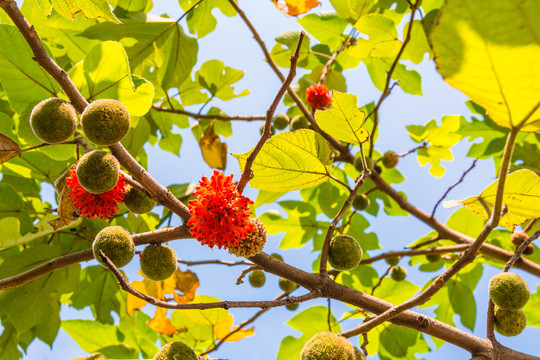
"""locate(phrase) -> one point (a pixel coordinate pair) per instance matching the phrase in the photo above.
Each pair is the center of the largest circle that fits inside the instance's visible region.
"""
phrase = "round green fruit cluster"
(116, 243)
(291, 307)
(392, 261)
(433, 258)
(175, 351)
(281, 121)
(329, 346)
(390, 159)
(98, 171)
(105, 122)
(53, 120)
(158, 262)
(137, 202)
(509, 292)
(398, 273)
(359, 166)
(361, 202)
(287, 285)
(257, 278)
(518, 238)
(345, 253)
(299, 122)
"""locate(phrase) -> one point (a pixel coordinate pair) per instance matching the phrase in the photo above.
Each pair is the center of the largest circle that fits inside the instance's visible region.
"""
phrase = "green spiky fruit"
(253, 243)
(292, 307)
(433, 258)
(361, 202)
(377, 169)
(137, 202)
(53, 120)
(105, 121)
(359, 355)
(519, 237)
(509, 291)
(398, 273)
(98, 171)
(116, 243)
(328, 346)
(287, 285)
(257, 278)
(345, 253)
(158, 262)
(277, 257)
(392, 261)
(281, 121)
(509, 322)
(175, 351)
(358, 163)
(299, 122)
(272, 130)
(390, 159)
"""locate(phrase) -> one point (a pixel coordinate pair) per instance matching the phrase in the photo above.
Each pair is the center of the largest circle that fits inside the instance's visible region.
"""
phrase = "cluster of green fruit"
(397, 273)
(389, 160)
(171, 351)
(509, 292)
(281, 121)
(158, 262)
(329, 346)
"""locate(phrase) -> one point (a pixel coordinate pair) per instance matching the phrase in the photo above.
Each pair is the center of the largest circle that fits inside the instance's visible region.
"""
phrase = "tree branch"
(209, 117)
(247, 174)
(411, 252)
(332, 59)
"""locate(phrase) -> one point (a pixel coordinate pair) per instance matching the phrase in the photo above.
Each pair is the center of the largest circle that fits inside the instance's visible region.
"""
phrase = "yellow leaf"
(134, 303)
(295, 7)
(161, 323)
(67, 214)
(8, 148)
(223, 328)
(186, 282)
(214, 152)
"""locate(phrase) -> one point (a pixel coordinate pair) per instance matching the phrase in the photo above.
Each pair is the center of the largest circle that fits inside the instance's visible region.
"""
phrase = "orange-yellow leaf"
(161, 323)
(134, 303)
(8, 148)
(186, 282)
(295, 7)
(214, 152)
(223, 328)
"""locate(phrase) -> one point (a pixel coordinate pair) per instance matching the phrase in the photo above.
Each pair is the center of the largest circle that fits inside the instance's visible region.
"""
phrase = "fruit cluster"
(329, 346)
(509, 292)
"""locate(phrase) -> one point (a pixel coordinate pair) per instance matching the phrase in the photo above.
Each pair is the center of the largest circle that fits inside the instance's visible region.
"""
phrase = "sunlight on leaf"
(214, 152)
(91, 9)
(290, 161)
(383, 37)
(8, 148)
(489, 50)
(344, 119)
(161, 323)
(521, 197)
(295, 7)
(224, 327)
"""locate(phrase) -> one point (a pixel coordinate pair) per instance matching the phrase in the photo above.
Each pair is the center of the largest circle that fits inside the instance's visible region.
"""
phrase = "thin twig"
(124, 284)
(530, 225)
(411, 252)
(247, 174)
(453, 186)
(209, 117)
(332, 59)
(218, 262)
(421, 146)
(246, 271)
(380, 280)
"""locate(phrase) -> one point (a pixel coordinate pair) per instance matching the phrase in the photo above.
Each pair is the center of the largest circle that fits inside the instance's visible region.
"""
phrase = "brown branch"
(342, 149)
(411, 252)
(218, 262)
(209, 117)
(421, 146)
(530, 225)
(380, 282)
(124, 284)
(453, 186)
(464, 260)
(247, 174)
(387, 89)
(332, 59)
(60, 262)
(330, 232)
(246, 271)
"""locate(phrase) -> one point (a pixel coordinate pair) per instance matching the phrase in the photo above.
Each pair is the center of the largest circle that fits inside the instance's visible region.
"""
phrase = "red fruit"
(318, 96)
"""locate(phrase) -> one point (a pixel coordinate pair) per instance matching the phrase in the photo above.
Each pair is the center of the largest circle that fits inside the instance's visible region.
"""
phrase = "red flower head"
(318, 96)
(219, 215)
(89, 205)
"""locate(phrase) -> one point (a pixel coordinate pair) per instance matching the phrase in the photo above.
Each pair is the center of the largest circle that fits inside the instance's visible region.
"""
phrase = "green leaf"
(290, 161)
(409, 80)
(309, 322)
(352, 10)
(418, 44)
(217, 79)
(396, 292)
(440, 138)
(326, 27)
(397, 342)
(105, 74)
(200, 20)
(285, 47)
(465, 222)
(9, 228)
(91, 9)
(521, 197)
(531, 309)
(23, 80)
(98, 288)
(383, 37)
(487, 50)
(8, 342)
(357, 229)
(344, 119)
